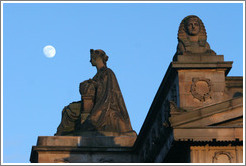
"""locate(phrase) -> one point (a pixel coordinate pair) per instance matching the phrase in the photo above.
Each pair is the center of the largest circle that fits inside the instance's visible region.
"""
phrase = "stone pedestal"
(201, 79)
(87, 107)
(81, 149)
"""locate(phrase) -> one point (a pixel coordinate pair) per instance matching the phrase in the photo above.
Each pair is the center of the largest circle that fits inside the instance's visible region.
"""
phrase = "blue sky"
(140, 40)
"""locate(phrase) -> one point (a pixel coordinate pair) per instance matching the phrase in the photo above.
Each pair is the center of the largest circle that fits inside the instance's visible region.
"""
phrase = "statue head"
(192, 37)
(192, 26)
(98, 55)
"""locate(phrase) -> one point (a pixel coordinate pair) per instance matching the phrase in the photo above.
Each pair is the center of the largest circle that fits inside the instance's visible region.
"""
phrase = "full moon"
(49, 51)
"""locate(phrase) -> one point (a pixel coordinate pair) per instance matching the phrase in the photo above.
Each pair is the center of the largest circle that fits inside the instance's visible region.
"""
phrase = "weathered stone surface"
(216, 154)
(208, 133)
(75, 149)
(82, 155)
(82, 141)
(227, 109)
(192, 39)
(95, 129)
(200, 58)
(234, 86)
(196, 115)
(200, 87)
(102, 109)
(208, 108)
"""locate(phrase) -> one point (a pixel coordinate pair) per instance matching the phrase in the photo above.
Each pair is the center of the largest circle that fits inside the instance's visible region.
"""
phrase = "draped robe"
(108, 113)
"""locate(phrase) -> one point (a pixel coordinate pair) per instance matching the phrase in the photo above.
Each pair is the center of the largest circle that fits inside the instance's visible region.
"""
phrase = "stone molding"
(208, 134)
(204, 112)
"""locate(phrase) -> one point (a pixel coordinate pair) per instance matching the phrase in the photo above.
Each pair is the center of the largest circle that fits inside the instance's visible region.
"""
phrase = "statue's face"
(193, 26)
(93, 60)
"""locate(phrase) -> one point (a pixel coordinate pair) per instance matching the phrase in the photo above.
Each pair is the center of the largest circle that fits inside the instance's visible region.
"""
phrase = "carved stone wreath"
(201, 88)
(221, 153)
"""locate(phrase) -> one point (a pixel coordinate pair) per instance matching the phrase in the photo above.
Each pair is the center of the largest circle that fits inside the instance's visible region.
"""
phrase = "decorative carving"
(222, 157)
(103, 108)
(192, 37)
(174, 109)
(201, 88)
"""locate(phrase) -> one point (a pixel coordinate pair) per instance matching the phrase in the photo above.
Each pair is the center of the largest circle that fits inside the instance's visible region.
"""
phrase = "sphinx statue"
(192, 38)
(102, 109)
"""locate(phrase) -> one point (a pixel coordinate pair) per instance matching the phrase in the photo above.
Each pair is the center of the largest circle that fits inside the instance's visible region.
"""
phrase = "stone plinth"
(204, 58)
(81, 149)
(201, 79)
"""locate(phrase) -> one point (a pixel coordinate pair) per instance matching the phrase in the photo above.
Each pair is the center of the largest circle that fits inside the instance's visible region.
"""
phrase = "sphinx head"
(192, 26)
(192, 30)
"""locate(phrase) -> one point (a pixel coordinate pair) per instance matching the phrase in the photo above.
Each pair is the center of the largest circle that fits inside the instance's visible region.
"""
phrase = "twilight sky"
(139, 38)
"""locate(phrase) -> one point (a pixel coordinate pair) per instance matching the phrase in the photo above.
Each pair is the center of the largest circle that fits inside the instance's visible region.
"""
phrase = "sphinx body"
(106, 112)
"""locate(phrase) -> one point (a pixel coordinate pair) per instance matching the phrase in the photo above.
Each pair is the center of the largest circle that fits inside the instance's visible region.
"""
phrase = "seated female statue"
(102, 104)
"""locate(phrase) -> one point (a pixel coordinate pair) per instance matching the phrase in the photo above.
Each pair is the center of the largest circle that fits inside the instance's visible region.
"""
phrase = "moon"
(49, 51)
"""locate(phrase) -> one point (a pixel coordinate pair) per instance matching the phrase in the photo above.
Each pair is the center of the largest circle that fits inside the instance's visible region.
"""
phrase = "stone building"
(195, 117)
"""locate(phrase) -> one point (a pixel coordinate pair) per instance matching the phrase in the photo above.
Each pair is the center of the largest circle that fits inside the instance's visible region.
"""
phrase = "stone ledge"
(80, 149)
(82, 141)
(208, 134)
(203, 65)
(199, 113)
(197, 65)
(234, 82)
(200, 58)
(66, 154)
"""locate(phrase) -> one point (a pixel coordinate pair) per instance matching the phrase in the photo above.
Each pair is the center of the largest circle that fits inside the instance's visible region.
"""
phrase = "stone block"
(181, 76)
(188, 101)
(203, 66)
(81, 155)
(212, 58)
(82, 141)
(218, 87)
(219, 96)
(184, 88)
(189, 74)
(200, 58)
(81, 149)
(215, 75)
